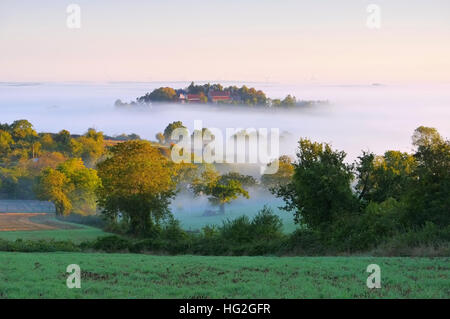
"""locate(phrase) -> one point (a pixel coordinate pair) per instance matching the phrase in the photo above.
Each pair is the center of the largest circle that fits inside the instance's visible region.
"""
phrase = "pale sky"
(323, 41)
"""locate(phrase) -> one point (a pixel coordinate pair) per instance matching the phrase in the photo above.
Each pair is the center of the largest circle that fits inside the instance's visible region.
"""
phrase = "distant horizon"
(331, 84)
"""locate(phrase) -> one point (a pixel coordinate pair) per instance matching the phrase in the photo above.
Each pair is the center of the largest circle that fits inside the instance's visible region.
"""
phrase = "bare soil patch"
(22, 221)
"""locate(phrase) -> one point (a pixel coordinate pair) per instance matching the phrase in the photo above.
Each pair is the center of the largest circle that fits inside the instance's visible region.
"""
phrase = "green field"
(191, 217)
(34, 275)
(79, 234)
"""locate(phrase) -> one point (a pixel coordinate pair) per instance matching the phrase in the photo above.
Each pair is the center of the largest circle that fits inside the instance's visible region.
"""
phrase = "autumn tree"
(162, 94)
(282, 176)
(71, 187)
(138, 182)
(6, 143)
(91, 147)
(169, 130)
(54, 186)
(47, 159)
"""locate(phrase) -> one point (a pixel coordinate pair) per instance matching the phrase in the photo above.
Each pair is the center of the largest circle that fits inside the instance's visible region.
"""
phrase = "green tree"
(428, 197)
(64, 142)
(320, 191)
(138, 182)
(383, 177)
(220, 189)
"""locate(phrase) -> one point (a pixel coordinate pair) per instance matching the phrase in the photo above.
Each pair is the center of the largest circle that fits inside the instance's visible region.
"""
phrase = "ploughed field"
(27, 215)
(38, 226)
(22, 221)
(35, 220)
(37, 275)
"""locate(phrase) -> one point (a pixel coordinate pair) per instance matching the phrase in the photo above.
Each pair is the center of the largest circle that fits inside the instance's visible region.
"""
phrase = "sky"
(322, 41)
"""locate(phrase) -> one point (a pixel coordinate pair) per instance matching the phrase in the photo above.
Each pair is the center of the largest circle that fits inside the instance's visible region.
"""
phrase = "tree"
(138, 182)
(6, 142)
(198, 89)
(170, 128)
(47, 159)
(282, 177)
(245, 180)
(428, 196)
(320, 191)
(289, 101)
(53, 186)
(383, 177)
(47, 142)
(71, 187)
(160, 137)
(91, 147)
(426, 137)
(162, 94)
(22, 129)
(220, 189)
(64, 142)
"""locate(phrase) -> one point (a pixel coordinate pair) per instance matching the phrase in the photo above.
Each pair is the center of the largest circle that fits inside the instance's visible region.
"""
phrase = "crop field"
(36, 226)
(21, 221)
(35, 220)
(34, 275)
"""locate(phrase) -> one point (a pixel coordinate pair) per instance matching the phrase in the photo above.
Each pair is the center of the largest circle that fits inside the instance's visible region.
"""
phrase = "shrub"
(37, 246)
(359, 232)
(304, 242)
(238, 230)
(111, 244)
(171, 231)
(266, 225)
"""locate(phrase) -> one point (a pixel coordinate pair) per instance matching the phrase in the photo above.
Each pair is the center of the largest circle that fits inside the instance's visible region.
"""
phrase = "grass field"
(77, 235)
(190, 215)
(35, 275)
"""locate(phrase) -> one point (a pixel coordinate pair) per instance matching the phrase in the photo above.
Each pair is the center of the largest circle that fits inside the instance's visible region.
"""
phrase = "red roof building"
(193, 97)
(216, 96)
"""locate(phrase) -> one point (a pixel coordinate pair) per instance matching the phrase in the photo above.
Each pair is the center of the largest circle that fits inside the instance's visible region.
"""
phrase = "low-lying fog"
(358, 117)
(377, 118)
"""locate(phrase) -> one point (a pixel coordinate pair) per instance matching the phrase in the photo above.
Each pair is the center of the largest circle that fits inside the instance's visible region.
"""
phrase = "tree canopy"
(137, 181)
